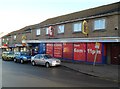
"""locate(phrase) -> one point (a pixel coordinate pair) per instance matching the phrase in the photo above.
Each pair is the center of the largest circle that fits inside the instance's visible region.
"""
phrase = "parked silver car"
(45, 59)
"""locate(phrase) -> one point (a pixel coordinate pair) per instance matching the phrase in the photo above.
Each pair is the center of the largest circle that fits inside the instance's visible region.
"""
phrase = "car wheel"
(47, 65)
(3, 59)
(33, 63)
(7, 58)
(15, 60)
(21, 61)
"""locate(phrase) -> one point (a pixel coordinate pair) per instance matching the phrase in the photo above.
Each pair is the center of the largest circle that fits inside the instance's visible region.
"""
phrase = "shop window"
(77, 27)
(38, 32)
(28, 31)
(99, 24)
(61, 29)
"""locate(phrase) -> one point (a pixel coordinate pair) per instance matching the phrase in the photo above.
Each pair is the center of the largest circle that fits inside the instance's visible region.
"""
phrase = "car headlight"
(53, 62)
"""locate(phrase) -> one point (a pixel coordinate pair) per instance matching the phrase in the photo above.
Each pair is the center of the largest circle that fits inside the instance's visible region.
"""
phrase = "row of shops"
(84, 52)
(78, 50)
(88, 36)
(75, 50)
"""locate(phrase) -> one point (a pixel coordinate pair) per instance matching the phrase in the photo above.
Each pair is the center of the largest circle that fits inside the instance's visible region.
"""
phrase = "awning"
(3, 47)
(95, 39)
(20, 45)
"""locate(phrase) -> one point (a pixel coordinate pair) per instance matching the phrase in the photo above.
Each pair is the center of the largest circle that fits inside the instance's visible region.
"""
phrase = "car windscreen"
(25, 54)
(10, 53)
(47, 56)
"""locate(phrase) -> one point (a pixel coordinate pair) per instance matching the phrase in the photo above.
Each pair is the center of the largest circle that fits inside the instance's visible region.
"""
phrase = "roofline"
(81, 19)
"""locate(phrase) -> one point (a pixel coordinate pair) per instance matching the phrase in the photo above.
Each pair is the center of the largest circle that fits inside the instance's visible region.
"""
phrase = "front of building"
(88, 36)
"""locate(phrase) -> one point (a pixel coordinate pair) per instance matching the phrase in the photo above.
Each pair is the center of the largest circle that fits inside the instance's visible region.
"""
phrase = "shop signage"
(80, 51)
(58, 50)
(68, 51)
(24, 40)
(91, 52)
(51, 31)
(23, 37)
(85, 28)
(49, 49)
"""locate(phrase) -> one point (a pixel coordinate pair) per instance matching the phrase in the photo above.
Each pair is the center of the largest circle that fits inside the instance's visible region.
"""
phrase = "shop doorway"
(115, 53)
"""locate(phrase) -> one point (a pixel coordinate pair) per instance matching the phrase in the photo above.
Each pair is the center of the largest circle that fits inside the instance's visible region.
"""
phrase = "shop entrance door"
(115, 53)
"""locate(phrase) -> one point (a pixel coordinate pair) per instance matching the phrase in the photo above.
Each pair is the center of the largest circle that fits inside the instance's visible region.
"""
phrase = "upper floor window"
(47, 30)
(61, 29)
(14, 37)
(3, 40)
(28, 30)
(77, 27)
(38, 32)
(99, 24)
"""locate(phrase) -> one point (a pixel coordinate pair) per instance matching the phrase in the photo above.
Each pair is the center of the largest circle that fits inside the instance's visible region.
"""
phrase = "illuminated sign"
(85, 28)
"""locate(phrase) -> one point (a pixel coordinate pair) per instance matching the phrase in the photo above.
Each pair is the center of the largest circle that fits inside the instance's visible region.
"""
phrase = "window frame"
(38, 32)
(60, 27)
(47, 31)
(101, 26)
(79, 24)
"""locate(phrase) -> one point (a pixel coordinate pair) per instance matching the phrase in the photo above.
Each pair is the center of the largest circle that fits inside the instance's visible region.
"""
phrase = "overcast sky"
(16, 14)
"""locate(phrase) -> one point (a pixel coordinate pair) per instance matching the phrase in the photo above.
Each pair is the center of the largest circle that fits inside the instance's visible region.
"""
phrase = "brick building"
(74, 37)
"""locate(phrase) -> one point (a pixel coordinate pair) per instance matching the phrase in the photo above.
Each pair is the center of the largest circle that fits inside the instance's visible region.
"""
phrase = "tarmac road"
(26, 75)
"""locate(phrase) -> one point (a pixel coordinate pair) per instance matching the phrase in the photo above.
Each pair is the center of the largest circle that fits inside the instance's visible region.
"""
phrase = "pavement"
(103, 71)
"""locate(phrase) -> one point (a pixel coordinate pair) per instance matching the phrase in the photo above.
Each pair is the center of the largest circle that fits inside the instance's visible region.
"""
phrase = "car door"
(42, 60)
(17, 56)
(36, 59)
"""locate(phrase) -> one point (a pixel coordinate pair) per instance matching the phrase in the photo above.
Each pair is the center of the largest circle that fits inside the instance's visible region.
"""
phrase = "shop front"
(115, 53)
(36, 48)
(88, 50)
(81, 52)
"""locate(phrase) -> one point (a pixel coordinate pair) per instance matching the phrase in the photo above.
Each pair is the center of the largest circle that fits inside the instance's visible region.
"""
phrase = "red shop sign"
(91, 51)
(49, 49)
(80, 51)
(58, 50)
(68, 50)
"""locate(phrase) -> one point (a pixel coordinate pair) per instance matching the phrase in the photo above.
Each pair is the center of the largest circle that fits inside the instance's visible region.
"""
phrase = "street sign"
(97, 45)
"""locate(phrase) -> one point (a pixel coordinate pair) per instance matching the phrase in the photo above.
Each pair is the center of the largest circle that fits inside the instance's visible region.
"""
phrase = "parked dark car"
(22, 57)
